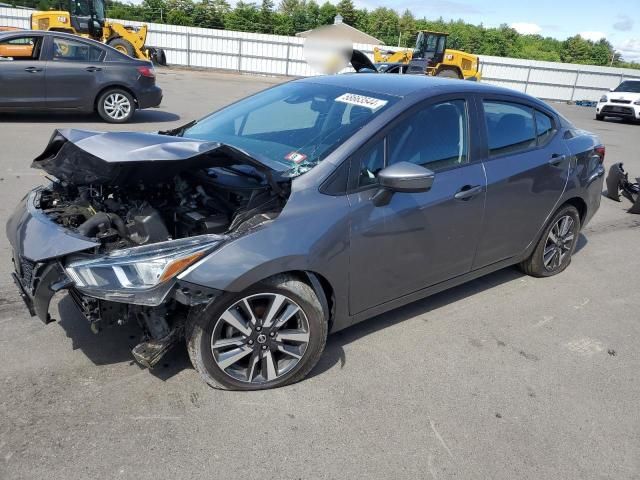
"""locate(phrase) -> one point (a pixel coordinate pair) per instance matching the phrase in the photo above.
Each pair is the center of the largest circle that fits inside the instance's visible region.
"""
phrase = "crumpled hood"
(84, 157)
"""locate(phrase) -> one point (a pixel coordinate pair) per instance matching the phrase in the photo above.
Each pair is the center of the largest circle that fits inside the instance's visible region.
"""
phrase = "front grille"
(27, 267)
(616, 100)
(618, 111)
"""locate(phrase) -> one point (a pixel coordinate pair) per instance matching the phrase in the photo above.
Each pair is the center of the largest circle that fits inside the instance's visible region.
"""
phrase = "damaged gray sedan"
(254, 232)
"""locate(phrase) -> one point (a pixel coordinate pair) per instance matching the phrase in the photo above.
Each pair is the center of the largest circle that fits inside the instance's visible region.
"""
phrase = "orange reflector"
(175, 267)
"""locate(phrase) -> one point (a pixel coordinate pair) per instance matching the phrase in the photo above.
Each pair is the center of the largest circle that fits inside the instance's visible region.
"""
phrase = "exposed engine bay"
(130, 212)
(128, 189)
(207, 201)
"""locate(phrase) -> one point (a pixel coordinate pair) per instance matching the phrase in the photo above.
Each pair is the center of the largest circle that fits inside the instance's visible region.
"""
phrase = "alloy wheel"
(559, 243)
(260, 338)
(117, 106)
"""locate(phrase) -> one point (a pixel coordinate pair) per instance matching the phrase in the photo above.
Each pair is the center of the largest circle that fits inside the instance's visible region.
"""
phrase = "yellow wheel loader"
(86, 18)
(432, 57)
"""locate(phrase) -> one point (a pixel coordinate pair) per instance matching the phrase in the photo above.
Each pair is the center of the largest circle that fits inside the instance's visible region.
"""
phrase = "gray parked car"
(59, 71)
(299, 211)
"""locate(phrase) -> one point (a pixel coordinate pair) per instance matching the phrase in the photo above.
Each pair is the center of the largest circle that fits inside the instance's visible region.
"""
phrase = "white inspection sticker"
(362, 101)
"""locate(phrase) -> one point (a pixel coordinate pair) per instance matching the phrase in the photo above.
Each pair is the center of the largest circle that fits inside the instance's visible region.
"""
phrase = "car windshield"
(292, 127)
(628, 87)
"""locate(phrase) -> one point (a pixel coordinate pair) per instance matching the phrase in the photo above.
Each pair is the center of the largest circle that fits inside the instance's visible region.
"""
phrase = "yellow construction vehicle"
(87, 19)
(431, 57)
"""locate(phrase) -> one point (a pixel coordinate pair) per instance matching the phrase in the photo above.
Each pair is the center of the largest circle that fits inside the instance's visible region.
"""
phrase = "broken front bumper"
(37, 244)
(38, 287)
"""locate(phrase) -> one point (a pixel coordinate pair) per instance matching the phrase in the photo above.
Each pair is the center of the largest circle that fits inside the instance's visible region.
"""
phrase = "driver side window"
(21, 48)
(435, 137)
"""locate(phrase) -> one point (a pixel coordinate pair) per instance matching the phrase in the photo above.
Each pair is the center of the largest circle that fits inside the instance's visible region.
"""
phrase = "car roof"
(70, 36)
(405, 85)
(19, 33)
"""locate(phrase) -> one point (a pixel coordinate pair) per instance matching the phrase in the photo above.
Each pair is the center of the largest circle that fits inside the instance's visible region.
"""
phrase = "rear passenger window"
(510, 128)
(435, 137)
(544, 128)
(71, 51)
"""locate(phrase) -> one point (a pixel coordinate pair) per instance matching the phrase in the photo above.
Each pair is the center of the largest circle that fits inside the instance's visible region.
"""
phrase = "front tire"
(116, 106)
(553, 252)
(600, 118)
(268, 336)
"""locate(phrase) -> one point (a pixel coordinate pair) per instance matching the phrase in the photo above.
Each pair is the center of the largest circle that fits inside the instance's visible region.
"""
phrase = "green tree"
(348, 11)
(327, 13)
(153, 11)
(245, 17)
(180, 12)
(384, 24)
(209, 14)
(576, 50)
(288, 7)
(267, 17)
(293, 16)
(602, 52)
(408, 29)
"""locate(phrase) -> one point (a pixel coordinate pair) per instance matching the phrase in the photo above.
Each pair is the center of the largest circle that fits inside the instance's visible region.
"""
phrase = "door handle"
(93, 69)
(32, 69)
(556, 159)
(467, 192)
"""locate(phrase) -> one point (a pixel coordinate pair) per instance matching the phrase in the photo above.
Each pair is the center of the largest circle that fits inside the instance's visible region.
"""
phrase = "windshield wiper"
(179, 131)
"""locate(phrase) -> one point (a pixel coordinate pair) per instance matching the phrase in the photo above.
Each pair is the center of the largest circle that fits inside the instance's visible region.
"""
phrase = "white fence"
(282, 55)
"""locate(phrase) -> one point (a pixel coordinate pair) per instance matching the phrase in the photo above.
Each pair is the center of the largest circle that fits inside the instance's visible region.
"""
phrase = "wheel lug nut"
(272, 334)
(250, 342)
(258, 329)
(264, 347)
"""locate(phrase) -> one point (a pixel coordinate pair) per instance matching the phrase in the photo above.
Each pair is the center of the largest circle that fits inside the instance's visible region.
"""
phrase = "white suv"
(622, 102)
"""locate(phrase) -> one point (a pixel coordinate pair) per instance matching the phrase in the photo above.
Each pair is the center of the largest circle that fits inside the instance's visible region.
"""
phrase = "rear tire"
(556, 245)
(600, 117)
(233, 345)
(447, 73)
(161, 57)
(116, 106)
(123, 46)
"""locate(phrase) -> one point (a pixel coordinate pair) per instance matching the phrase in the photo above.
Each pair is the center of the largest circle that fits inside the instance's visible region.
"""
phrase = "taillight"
(600, 151)
(147, 72)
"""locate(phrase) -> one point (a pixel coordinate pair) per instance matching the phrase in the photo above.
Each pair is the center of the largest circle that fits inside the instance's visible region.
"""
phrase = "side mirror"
(611, 89)
(402, 177)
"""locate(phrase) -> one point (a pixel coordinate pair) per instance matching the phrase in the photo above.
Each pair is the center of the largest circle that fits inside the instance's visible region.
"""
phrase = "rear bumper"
(594, 186)
(149, 98)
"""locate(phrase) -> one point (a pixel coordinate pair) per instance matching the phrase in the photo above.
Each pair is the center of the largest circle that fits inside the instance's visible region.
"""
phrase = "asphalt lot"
(505, 377)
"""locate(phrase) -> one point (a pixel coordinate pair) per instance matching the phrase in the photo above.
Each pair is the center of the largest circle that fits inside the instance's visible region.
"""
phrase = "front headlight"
(604, 99)
(637, 102)
(140, 274)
